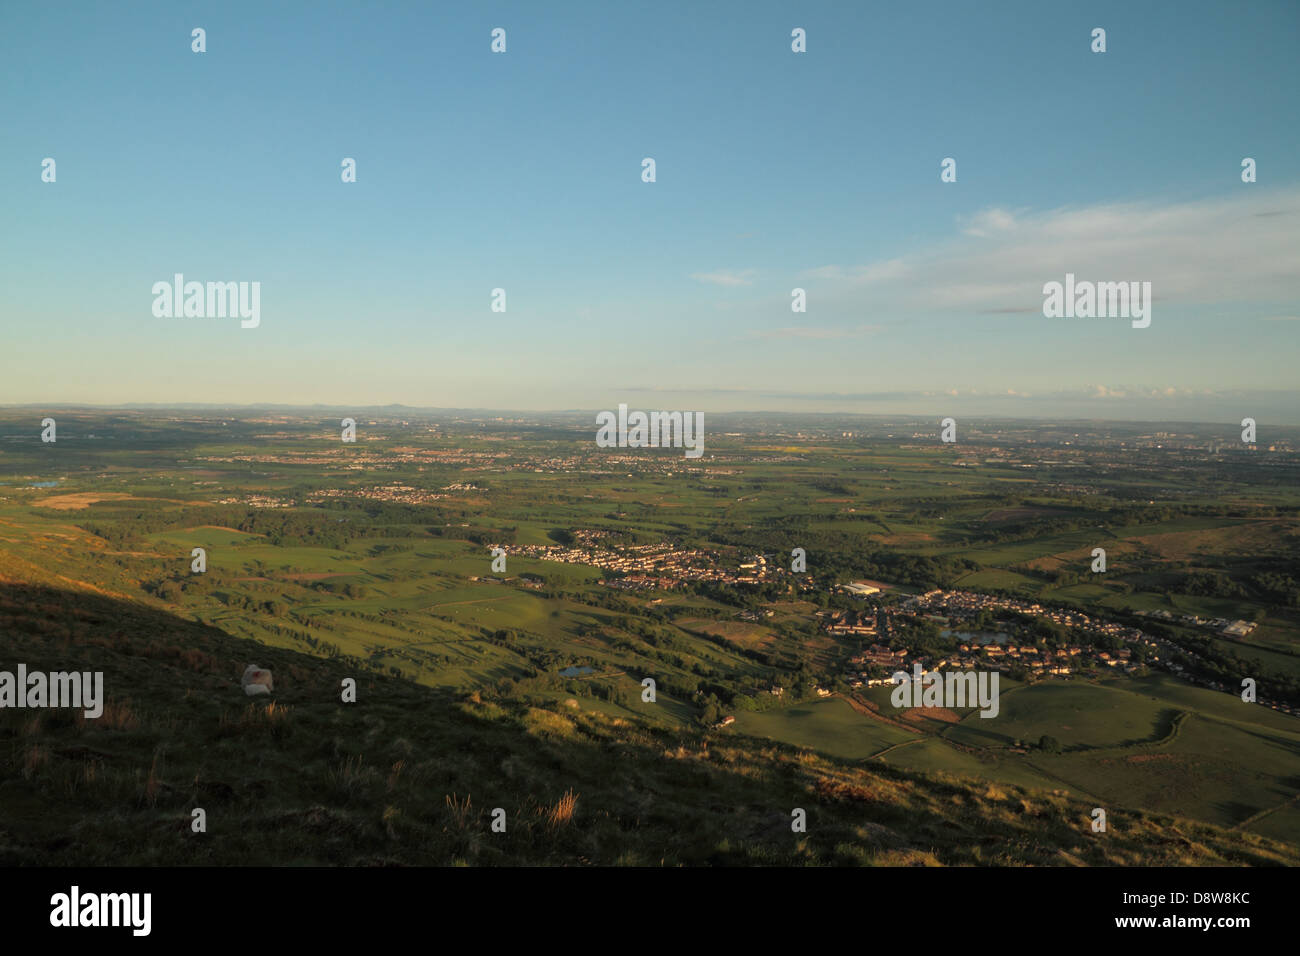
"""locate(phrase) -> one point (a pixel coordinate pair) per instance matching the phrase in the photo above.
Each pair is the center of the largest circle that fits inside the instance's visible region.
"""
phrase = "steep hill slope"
(411, 775)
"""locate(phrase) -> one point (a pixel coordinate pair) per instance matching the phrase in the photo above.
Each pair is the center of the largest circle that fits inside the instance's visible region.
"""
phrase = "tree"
(1050, 744)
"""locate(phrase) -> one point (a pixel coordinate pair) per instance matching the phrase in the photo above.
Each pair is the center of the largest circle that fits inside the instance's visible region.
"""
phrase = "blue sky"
(775, 170)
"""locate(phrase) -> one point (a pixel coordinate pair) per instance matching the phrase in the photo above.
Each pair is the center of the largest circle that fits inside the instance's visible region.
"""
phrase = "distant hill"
(411, 775)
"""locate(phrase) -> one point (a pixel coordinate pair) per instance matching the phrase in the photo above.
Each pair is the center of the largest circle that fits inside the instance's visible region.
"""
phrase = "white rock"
(256, 681)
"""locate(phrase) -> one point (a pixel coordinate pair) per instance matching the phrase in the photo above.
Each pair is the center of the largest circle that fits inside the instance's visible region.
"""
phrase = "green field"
(376, 557)
(830, 726)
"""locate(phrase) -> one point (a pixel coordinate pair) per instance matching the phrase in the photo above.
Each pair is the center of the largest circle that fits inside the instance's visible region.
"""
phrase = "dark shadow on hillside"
(411, 775)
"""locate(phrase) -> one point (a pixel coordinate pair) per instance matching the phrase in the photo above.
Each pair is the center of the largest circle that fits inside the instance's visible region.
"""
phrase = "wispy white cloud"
(1240, 250)
(990, 222)
(873, 272)
(726, 277)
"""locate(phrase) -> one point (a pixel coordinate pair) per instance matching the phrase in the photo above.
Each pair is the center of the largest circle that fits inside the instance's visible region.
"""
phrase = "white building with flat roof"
(860, 589)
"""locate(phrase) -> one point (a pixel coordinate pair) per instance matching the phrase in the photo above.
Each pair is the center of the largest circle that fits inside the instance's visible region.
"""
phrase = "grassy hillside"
(410, 773)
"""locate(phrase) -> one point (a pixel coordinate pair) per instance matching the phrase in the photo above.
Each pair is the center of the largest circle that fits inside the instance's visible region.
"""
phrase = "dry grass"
(562, 812)
(119, 716)
(271, 718)
(830, 789)
(390, 818)
(395, 774)
(348, 774)
(75, 502)
(460, 810)
(275, 716)
(152, 784)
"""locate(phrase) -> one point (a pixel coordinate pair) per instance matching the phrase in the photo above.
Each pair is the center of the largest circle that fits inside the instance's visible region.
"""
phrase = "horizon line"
(483, 410)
